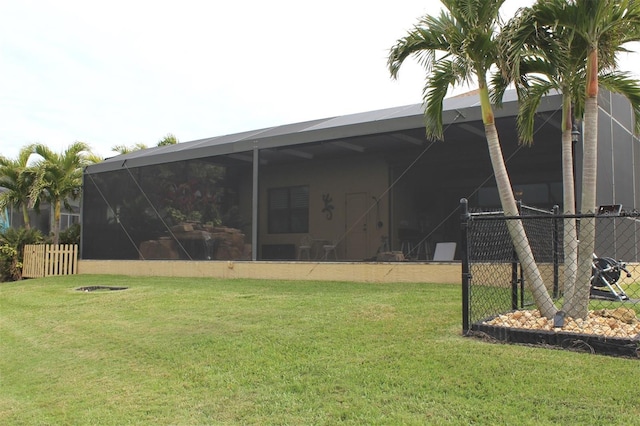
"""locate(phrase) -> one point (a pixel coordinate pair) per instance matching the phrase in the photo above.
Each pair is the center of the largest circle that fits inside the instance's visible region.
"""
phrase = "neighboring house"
(40, 219)
(356, 184)
(4, 220)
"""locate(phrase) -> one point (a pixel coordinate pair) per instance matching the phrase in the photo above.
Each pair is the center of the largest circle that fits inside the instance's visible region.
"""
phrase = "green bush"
(12, 243)
(71, 235)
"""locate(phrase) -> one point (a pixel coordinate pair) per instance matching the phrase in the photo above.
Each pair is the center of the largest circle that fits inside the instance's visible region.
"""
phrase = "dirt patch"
(100, 288)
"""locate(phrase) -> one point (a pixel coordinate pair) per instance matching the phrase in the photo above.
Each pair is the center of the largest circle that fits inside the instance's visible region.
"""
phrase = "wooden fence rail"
(44, 260)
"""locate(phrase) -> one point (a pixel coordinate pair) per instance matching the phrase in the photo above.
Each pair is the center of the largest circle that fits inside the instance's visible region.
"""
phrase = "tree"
(456, 47)
(17, 177)
(169, 139)
(124, 149)
(604, 26)
(93, 158)
(59, 178)
(539, 59)
(536, 44)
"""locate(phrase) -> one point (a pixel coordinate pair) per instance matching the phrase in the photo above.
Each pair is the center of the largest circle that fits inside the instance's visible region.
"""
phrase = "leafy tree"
(17, 177)
(457, 47)
(59, 178)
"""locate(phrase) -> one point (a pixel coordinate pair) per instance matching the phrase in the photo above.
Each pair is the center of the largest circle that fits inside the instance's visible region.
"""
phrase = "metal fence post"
(464, 253)
(514, 271)
(514, 282)
(556, 252)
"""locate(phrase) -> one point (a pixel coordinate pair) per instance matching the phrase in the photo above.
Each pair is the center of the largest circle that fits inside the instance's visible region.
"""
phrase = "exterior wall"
(618, 179)
(444, 273)
(337, 179)
(618, 149)
(42, 218)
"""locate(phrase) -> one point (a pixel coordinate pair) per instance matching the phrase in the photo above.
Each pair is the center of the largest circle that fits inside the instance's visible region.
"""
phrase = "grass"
(203, 351)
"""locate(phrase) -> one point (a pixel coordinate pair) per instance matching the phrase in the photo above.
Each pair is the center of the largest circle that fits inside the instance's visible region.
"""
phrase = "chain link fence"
(499, 302)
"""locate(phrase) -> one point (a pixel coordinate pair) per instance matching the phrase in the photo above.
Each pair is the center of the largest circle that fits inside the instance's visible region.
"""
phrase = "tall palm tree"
(17, 177)
(540, 59)
(602, 27)
(456, 47)
(59, 178)
(533, 44)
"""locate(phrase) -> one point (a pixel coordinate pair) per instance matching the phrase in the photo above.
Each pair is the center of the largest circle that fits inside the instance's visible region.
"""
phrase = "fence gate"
(44, 260)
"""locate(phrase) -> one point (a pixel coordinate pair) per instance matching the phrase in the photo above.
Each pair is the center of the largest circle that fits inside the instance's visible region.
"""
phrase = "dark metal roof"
(292, 137)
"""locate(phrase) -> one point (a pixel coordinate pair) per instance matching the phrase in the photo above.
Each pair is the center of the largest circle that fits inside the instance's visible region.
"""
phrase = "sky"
(124, 72)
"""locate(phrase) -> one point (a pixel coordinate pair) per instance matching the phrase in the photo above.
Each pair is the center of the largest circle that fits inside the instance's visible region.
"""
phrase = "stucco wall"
(445, 273)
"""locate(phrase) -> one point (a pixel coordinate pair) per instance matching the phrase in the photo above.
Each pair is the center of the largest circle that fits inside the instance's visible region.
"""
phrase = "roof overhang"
(397, 124)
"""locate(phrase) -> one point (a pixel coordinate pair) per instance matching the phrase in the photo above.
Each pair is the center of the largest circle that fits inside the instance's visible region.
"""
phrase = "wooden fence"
(44, 260)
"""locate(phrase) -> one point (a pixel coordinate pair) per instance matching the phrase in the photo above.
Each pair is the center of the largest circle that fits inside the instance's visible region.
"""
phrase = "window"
(68, 219)
(289, 210)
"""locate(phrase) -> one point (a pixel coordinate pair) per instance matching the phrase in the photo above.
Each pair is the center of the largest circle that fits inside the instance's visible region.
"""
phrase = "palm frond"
(527, 112)
(624, 84)
(444, 75)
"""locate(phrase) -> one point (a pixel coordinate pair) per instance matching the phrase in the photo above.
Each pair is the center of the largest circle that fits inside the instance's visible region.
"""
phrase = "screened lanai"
(342, 189)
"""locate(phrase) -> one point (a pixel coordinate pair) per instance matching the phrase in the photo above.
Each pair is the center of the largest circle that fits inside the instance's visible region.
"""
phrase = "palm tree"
(551, 56)
(540, 59)
(457, 47)
(124, 149)
(59, 178)
(17, 177)
(169, 139)
(600, 29)
(93, 158)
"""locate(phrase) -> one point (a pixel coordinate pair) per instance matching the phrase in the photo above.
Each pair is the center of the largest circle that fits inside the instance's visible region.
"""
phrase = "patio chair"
(304, 248)
(329, 248)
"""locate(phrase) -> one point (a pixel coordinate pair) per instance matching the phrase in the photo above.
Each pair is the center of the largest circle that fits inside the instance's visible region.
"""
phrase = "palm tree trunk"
(532, 275)
(578, 305)
(570, 239)
(533, 278)
(56, 221)
(25, 216)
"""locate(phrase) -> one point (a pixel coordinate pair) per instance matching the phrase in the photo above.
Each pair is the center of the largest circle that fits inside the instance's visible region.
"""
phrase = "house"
(343, 188)
(40, 219)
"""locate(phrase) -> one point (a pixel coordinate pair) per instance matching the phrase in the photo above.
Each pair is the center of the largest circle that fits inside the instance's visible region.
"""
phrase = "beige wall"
(338, 178)
(444, 273)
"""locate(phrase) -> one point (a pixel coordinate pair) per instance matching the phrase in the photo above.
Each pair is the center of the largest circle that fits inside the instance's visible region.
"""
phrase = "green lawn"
(180, 351)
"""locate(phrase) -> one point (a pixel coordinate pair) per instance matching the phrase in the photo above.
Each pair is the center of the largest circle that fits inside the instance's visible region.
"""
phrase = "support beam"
(254, 203)
(298, 153)
(410, 139)
(246, 157)
(347, 145)
(469, 128)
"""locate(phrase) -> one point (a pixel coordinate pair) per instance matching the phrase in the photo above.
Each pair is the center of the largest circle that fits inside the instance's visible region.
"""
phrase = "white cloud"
(123, 72)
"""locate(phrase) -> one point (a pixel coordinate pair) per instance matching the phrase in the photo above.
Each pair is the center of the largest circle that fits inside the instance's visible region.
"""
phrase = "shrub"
(12, 243)
(71, 235)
